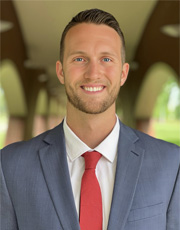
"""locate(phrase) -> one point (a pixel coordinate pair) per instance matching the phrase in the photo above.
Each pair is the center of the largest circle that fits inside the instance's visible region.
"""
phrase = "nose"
(93, 70)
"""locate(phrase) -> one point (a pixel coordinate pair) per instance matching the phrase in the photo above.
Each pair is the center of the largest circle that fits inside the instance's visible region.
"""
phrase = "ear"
(124, 74)
(59, 72)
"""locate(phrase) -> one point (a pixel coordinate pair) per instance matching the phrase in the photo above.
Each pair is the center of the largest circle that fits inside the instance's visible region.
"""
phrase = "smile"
(93, 89)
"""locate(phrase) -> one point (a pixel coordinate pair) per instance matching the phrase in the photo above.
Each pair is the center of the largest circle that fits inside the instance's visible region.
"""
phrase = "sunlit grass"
(2, 139)
(168, 131)
(3, 129)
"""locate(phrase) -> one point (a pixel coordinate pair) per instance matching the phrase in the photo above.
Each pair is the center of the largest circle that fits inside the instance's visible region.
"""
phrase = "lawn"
(3, 129)
(168, 131)
(2, 139)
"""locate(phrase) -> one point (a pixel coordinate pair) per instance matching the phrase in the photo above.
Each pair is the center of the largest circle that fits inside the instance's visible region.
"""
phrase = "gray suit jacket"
(36, 191)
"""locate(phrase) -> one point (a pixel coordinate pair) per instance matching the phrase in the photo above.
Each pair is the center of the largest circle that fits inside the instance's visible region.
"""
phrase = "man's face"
(92, 68)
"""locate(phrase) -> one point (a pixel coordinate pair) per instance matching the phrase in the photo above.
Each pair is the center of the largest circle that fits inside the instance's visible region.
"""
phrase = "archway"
(151, 87)
(15, 101)
(41, 113)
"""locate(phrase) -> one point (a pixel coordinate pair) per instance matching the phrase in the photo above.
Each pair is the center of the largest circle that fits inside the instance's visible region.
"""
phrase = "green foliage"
(177, 110)
(168, 102)
(167, 113)
(3, 108)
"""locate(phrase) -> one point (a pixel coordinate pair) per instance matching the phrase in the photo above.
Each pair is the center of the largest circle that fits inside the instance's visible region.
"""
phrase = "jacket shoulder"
(152, 141)
(159, 150)
(152, 145)
(29, 148)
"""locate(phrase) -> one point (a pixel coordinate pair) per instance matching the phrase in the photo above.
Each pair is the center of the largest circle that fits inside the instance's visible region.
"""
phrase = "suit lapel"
(129, 163)
(54, 164)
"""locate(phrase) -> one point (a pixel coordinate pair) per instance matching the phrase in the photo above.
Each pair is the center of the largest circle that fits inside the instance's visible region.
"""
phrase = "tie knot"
(91, 159)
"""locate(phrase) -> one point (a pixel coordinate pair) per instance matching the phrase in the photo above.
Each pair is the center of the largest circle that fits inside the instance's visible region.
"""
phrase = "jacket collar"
(54, 165)
(129, 162)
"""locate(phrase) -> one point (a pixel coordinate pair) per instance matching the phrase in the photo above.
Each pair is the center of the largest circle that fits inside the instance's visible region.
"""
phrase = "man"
(42, 179)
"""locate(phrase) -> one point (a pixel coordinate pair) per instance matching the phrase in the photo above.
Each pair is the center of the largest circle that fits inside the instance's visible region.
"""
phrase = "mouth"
(93, 89)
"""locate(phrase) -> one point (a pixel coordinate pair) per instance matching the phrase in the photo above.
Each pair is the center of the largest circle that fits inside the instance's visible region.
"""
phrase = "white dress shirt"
(105, 169)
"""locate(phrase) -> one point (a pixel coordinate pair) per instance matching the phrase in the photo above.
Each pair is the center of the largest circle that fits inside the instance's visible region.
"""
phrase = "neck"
(92, 129)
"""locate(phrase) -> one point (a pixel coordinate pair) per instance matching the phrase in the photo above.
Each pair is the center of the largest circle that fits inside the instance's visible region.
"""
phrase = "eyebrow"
(109, 53)
(77, 52)
(84, 53)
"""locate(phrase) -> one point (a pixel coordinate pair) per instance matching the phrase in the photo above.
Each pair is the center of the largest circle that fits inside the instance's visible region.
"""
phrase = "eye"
(106, 59)
(78, 59)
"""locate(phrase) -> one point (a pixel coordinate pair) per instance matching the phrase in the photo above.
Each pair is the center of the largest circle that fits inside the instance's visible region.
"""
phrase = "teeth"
(93, 89)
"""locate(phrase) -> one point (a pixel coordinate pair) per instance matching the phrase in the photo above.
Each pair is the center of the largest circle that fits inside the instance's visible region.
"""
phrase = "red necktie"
(91, 200)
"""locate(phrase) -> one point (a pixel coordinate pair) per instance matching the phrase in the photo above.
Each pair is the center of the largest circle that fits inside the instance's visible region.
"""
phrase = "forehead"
(87, 34)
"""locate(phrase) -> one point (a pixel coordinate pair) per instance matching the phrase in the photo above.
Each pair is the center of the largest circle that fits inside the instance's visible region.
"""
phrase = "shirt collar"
(75, 147)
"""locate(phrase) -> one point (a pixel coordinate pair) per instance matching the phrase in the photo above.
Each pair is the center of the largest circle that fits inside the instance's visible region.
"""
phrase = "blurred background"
(31, 98)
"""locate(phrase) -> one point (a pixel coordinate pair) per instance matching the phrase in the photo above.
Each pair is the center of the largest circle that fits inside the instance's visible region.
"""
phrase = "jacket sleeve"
(173, 213)
(7, 214)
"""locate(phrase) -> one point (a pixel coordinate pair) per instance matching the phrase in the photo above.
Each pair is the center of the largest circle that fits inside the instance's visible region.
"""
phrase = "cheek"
(74, 73)
(72, 77)
(113, 74)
